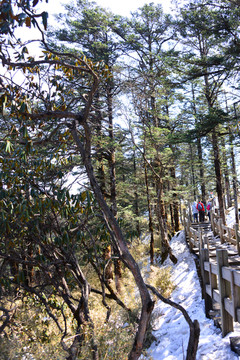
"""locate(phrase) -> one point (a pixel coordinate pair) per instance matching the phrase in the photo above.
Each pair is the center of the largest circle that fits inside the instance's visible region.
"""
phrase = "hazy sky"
(120, 7)
(124, 7)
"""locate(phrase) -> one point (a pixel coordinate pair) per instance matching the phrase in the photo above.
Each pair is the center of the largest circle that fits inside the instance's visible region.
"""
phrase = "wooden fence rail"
(220, 269)
(226, 234)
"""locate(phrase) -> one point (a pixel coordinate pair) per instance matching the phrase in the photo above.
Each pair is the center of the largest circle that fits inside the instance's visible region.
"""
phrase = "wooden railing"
(220, 270)
(226, 234)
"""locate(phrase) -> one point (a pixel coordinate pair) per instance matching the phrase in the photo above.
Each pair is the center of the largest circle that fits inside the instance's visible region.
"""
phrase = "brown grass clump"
(160, 278)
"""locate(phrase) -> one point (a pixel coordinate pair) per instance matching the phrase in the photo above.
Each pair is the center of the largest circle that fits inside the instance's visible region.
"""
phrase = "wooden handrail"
(220, 277)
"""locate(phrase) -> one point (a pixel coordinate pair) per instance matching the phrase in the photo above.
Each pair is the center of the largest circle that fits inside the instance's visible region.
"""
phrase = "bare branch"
(193, 325)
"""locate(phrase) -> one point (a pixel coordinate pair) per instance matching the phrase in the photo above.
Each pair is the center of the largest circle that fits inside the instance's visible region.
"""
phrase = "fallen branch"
(193, 325)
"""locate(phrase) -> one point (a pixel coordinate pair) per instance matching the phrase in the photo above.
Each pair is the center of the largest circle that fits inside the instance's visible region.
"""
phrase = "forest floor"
(171, 329)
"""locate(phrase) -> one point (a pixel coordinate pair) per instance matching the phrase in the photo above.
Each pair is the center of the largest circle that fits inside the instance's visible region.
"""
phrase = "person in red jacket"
(201, 211)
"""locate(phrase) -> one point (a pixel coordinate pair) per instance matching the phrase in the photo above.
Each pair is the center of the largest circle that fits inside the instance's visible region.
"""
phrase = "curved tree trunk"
(193, 325)
(120, 244)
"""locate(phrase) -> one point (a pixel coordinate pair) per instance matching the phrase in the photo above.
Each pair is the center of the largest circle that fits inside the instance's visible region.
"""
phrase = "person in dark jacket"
(201, 211)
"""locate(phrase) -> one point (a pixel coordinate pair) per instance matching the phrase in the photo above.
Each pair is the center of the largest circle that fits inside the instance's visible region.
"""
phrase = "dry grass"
(34, 336)
(160, 278)
(31, 334)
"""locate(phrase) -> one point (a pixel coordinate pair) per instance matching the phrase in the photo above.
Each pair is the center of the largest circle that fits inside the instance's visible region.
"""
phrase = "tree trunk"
(82, 317)
(99, 153)
(201, 170)
(218, 175)
(200, 154)
(165, 246)
(112, 170)
(226, 174)
(108, 269)
(193, 173)
(211, 97)
(172, 217)
(234, 176)
(175, 201)
(120, 244)
(136, 194)
(150, 219)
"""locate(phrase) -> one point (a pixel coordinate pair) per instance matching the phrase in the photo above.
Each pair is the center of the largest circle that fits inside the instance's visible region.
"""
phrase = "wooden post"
(201, 239)
(206, 242)
(189, 234)
(181, 213)
(237, 237)
(213, 279)
(235, 295)
(221, 231)
(212, 221)
(188, 226)
(204, 256)
(218, 226)
(229, 235)
(199, 246)
(189, 212)
(184, 219)
(196, 239)
(224, 291)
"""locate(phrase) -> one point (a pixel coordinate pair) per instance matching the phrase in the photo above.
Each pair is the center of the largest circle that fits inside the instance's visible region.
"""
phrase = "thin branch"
(193, 325)
(7, 318)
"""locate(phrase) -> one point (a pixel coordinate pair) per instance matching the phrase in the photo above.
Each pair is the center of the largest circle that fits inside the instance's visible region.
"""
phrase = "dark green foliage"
(205, 124)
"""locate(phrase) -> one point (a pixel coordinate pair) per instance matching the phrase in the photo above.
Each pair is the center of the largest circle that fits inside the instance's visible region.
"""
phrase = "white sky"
(124, 7)
(119, 7)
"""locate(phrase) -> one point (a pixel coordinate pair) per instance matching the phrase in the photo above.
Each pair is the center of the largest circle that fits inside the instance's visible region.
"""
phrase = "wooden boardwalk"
(212, 243)
(218, 261)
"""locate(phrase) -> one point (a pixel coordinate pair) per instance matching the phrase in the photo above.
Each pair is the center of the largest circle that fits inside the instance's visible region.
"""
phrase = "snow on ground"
(171, 329)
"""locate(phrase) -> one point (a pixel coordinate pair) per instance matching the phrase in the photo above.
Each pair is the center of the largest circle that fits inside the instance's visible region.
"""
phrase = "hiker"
(209, 207)
(201, 211)
(195, 212)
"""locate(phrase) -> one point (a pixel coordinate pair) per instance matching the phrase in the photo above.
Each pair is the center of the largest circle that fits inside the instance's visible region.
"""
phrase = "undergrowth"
(32, 335)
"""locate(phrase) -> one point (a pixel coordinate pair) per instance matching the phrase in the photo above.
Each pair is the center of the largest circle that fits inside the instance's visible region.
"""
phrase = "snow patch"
(171, 329)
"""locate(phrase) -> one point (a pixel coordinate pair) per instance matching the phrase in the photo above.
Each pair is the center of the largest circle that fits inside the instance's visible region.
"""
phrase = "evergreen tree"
(148, 30)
